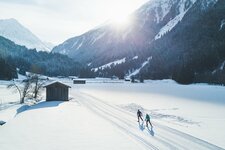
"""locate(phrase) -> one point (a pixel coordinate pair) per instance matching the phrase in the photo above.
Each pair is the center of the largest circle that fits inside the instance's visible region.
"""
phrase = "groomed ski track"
(159, 138)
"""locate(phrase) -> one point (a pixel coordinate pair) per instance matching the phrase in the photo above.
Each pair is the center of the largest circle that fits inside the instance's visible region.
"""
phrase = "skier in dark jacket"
(147, 119)
(139, 115)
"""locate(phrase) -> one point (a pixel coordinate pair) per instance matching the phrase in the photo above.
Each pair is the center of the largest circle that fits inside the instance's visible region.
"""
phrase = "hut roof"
(57, 82)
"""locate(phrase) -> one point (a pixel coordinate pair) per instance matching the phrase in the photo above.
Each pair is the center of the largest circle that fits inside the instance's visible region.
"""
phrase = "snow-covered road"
(159, 137)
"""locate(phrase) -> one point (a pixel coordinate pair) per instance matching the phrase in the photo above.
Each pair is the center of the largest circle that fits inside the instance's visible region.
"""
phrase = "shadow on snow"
(142, 128)
(38, 106)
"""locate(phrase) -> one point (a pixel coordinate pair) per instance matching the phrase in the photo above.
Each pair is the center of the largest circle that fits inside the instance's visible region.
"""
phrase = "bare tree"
(30, 87)
(23, 89)
(38, 85)
(16, 87)
(26, 89)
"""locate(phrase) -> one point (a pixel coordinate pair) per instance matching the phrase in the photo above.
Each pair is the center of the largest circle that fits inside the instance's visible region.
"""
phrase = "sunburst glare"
(121, 21)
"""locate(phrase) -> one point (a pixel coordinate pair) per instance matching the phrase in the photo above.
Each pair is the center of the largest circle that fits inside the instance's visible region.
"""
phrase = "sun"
(121, 20)
(120, 17)
(120, 14)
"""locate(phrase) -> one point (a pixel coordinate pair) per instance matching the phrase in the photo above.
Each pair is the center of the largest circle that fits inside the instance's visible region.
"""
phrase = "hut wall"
(57, 93)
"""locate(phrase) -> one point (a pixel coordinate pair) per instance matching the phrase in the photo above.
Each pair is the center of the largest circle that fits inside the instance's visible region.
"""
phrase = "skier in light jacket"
(147, 119)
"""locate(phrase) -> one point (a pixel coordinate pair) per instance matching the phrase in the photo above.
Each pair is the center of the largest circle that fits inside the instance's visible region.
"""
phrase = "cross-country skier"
(147, 119)
(139, 115)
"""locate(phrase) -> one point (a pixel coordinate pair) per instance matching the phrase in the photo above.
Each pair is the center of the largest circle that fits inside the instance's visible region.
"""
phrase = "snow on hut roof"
(57, 82)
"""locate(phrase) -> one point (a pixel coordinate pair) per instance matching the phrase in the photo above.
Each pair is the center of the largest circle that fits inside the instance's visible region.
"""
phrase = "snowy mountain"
(154, 33)
(147, 22)
(13, 30)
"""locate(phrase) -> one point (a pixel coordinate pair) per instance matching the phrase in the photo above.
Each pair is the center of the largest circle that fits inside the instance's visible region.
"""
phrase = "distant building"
(127, 79)
(79, 81)
(72, 77)
(114, 78)
(61, 77)
(57, 91)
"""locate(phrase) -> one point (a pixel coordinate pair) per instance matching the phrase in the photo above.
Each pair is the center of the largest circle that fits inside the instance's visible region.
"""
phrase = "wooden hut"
(57, 91)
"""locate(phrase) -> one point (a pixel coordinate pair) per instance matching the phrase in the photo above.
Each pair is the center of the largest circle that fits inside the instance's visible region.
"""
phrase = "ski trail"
(165, 137)
(168, 145)
(104, 115)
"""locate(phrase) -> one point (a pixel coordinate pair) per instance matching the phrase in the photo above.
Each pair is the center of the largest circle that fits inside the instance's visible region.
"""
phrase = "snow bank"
(62, 125)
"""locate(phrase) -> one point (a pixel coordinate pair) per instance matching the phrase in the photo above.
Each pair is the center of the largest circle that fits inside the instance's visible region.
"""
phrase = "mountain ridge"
(72, 46)
(13, 30)
(156, 28)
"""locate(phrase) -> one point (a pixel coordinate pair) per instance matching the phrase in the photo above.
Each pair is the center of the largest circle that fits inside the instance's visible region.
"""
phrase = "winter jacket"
(139, 113)
(147, 117)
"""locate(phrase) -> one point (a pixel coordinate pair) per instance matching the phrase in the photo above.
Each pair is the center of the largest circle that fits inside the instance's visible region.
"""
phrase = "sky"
(57, 20)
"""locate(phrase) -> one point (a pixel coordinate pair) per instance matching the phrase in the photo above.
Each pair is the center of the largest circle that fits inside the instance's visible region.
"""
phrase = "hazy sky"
(57, 20)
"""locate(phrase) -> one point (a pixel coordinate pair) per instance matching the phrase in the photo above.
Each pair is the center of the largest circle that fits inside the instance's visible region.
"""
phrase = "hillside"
(37, 62)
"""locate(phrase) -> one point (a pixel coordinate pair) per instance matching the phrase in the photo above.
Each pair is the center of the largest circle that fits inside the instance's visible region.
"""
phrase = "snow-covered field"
(102, 115)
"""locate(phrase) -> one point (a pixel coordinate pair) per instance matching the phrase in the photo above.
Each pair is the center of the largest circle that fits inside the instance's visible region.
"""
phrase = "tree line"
(13, 56)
